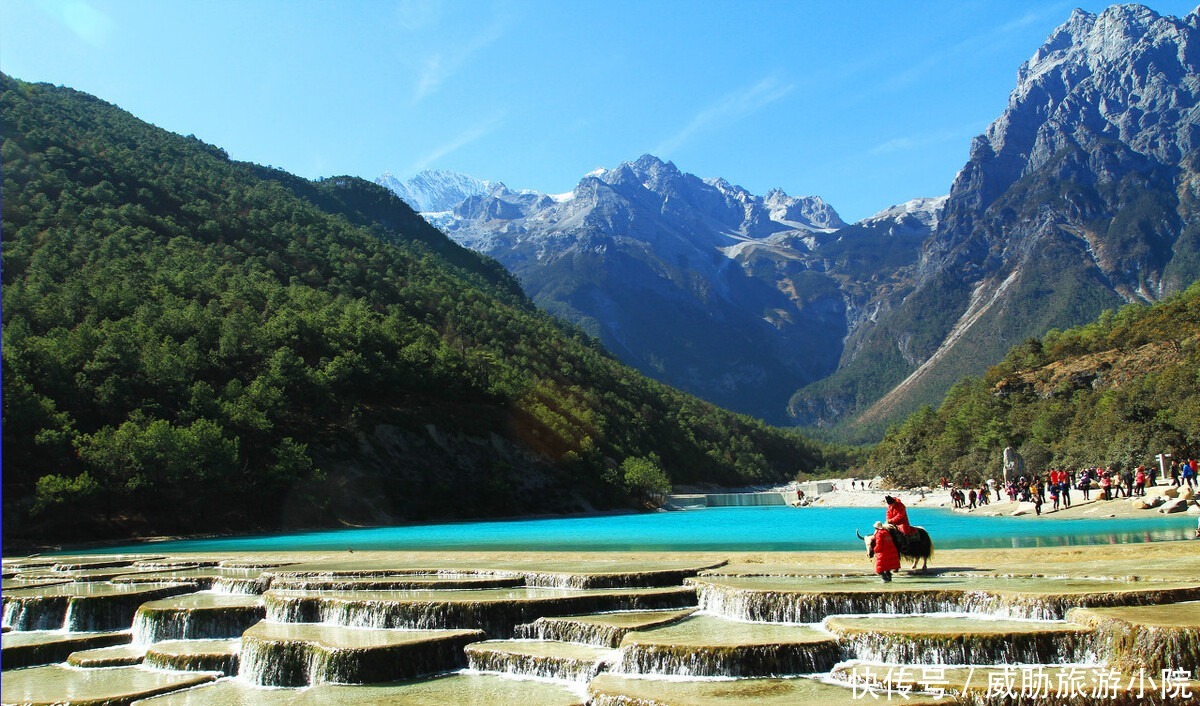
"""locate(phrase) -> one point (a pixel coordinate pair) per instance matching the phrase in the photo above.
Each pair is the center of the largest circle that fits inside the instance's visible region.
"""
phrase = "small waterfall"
(744, 499)
(1127, 645)
(602, 630)
(622, 579)
(541, 659)
(115, 611)
(99, 563)
(205, 617)
(813, 607)
(29, 649)
(281, 655)
(241, 585)
(196, 656)
(561, 630)
(729, 660)
(35, 612)
(176, 564)
(1056, 647)
(395, 583)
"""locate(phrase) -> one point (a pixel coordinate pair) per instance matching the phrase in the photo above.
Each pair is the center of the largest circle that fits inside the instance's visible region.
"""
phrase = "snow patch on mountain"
(925, 211)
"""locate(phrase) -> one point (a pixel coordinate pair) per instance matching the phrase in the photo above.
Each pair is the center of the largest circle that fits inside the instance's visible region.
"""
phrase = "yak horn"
(856, 534)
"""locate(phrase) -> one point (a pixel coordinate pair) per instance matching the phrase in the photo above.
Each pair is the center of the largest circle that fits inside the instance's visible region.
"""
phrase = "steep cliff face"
(1080, 197)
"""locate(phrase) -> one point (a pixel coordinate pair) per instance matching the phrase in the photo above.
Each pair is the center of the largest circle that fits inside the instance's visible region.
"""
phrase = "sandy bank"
(859, 495)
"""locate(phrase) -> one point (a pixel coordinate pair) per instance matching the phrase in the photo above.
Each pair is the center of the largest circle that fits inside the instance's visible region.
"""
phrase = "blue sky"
(864, 103)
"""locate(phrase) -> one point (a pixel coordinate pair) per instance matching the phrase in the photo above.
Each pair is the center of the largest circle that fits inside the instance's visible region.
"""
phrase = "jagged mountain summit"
(1081, 196)
(694, 281)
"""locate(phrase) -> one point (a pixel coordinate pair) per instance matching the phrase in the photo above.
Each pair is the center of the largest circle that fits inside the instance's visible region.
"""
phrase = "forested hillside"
(194, 344)
(1114, 393)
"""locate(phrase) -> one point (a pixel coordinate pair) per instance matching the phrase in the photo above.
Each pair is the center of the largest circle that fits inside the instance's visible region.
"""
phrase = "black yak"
(917, 546)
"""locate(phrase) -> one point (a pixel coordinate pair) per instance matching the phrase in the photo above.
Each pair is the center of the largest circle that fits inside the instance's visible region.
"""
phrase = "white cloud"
(907, 143)
(465, 138)
(441, 65)
(85, 21)
(728, 109)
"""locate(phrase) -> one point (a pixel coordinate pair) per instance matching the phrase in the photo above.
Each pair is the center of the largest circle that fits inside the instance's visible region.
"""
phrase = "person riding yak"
(881, 547)
(897, 515)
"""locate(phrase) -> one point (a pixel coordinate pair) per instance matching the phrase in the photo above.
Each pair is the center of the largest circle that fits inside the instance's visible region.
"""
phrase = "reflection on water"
(712, 529)
(1072, 540)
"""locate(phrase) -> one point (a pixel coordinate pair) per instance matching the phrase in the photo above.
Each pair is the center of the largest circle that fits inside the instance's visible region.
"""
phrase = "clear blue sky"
(865, 103)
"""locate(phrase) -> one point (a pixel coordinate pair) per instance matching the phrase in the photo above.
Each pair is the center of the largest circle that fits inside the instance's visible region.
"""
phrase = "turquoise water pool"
(775, 528)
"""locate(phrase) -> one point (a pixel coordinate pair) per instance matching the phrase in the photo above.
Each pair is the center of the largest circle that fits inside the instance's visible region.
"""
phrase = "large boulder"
(1148, 502)
(1176, 505)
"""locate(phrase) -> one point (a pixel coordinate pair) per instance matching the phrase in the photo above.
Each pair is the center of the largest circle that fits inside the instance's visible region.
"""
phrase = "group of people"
(1056, 485)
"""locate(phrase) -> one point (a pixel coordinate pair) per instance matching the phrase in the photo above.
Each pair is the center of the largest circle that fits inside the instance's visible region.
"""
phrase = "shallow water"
(710, 529)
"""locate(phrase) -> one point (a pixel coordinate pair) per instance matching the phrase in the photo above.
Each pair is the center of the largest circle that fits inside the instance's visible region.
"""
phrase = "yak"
(918, 546)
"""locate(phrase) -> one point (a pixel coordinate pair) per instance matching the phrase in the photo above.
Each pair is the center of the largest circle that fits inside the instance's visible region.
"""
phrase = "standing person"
(1139, 481)
(1188, 471)
(1085, 483)
(1036, 496)
(971, 496)
(1175, 472)
(1067, 480)
(1105, 486)
(883, 549)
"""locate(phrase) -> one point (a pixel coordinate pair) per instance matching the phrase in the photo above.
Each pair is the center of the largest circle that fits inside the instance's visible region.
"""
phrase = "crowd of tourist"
(1055, 485)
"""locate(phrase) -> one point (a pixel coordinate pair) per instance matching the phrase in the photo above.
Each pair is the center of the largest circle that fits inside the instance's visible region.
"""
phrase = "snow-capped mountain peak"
(435, 190)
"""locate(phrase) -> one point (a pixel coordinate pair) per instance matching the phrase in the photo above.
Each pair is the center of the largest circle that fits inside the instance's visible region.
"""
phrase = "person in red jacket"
(887, 559)
(897, 515)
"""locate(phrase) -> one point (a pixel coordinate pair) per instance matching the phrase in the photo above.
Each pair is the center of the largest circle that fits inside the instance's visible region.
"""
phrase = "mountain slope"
(193, 344)
(1079, 198)
(1113, 393)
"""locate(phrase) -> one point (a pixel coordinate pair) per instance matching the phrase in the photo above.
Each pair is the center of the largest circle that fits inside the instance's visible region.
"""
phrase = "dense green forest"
(195, 344)
(1114, 393)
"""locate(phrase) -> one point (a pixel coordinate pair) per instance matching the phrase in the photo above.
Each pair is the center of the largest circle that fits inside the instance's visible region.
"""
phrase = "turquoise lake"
(773, 528)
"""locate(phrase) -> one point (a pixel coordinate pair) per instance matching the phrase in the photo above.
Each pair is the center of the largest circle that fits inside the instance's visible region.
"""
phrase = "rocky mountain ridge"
(744, 307)
(1080, 197)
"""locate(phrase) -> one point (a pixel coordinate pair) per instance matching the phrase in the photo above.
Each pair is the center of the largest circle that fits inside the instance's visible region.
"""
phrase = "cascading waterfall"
(571, 631)
(238, 585)
(729, 661)
(216, 618)
(272, 655)
(196, 656)
(575, 663)
(83, 607)
(35, 612)
(814, 606)
(744, 499)
(1022, 648)
(789, 607)
(1132, 646)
